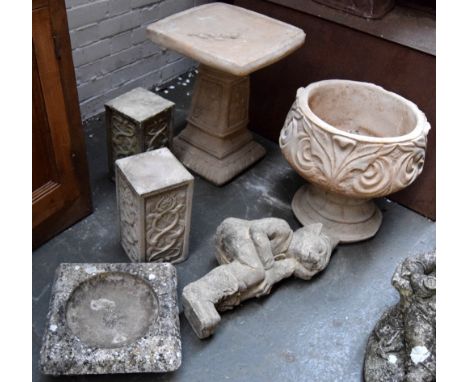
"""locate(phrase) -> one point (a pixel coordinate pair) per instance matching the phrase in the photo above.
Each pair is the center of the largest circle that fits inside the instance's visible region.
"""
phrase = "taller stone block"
(154, 196)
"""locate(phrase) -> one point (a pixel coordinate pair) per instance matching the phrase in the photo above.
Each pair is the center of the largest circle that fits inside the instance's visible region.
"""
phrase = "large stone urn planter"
(352, 141)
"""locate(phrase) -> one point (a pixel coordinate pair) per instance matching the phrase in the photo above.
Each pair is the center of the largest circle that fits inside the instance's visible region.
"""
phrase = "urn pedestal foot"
(347, 219)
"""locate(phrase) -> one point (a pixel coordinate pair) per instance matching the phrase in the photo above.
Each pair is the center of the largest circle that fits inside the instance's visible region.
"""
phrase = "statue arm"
(268, 235)
(262, 246)
(280, 270)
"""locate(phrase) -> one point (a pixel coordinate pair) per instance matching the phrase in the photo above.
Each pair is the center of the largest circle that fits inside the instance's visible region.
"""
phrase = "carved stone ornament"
(402, 346)
(154, 195)
(253, 256)
(137, 121)
(230, 43)
(353, 141)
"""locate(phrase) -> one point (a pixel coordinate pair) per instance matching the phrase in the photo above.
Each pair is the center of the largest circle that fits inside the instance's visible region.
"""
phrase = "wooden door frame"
(82, 205)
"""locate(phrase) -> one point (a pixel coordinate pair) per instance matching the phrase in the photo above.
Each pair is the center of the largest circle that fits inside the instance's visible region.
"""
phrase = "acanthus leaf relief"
(346, 165)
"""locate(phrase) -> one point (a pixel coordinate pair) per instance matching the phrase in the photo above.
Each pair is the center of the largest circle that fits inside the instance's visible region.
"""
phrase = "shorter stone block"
(154, 197)
(137, 121)
(112, 318)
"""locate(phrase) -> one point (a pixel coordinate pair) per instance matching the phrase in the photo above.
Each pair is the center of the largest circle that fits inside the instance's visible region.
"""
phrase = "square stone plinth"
(228, 38)
(154, 197)
(137, 121)
(112, 318)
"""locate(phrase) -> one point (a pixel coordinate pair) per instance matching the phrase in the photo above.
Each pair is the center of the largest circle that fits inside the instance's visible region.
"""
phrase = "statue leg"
(221, 288)
(200, 298)
(240, 270)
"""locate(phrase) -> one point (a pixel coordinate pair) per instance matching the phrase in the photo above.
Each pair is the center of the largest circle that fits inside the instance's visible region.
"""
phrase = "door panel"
(42, 150)
(60, 193)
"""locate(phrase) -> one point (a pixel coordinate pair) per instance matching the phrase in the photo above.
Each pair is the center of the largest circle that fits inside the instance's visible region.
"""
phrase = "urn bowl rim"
(415, 118)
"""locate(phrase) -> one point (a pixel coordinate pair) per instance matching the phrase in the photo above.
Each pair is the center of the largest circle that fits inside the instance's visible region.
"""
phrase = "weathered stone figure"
(402, 346)
(253, 256)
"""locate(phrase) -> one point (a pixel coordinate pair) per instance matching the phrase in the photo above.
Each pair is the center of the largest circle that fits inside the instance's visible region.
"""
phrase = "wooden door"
(60, 181)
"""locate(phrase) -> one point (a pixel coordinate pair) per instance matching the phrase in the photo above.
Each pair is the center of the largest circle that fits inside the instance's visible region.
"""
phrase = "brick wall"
(110, 50)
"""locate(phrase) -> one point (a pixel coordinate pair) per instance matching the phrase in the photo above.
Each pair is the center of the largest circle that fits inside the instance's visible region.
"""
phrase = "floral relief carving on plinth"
(128, 220)
(165, 225)
(124, 137)
(349, 166)
(157, 134)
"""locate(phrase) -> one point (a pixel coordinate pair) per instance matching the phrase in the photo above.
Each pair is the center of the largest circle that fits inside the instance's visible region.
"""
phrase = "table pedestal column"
(216, 143)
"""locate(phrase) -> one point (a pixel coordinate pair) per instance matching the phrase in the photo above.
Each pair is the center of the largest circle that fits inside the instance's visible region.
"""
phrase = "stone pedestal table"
(230, 43)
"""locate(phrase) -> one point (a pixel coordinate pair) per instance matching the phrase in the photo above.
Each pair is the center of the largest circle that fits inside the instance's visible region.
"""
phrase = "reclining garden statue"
(253, 256)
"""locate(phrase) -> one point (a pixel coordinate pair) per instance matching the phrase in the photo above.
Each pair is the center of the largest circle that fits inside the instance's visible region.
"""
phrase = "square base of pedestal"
(217, 171)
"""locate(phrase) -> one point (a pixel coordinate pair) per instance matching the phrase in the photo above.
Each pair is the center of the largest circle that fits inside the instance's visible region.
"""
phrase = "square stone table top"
(139, 104)
(226, 37)
(152, 171)
(112, 318)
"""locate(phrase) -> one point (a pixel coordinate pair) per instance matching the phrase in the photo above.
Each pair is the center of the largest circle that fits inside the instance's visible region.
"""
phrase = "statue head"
(311, 247)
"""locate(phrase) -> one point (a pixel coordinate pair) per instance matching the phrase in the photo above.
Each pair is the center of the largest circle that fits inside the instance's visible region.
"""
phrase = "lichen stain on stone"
(90, 269)
(419, 354)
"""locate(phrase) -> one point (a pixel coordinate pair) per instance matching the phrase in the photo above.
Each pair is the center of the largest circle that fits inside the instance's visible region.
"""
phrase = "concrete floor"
(303, 331)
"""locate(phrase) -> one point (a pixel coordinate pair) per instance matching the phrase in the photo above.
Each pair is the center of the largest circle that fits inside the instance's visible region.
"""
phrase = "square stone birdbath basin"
(112, 318)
